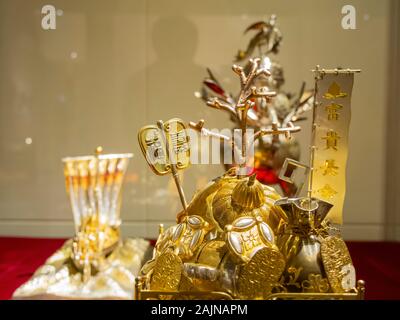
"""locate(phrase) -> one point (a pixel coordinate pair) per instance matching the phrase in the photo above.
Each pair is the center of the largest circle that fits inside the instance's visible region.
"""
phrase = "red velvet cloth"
(19, 258)
(376, 262)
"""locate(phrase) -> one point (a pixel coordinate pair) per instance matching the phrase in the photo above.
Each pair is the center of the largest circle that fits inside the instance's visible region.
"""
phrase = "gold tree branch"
(199, 127)
(277, 131)
(218, 104)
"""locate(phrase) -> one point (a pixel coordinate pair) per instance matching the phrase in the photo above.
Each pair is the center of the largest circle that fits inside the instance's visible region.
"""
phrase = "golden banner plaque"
(166, 149)
(330, 137)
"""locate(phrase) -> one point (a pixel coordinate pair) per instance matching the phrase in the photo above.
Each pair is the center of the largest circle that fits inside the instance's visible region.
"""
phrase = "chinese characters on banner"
(330, 137)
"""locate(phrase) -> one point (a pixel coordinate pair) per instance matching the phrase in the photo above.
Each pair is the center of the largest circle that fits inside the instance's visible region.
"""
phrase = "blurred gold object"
(58, 278)
(96, 263)
(94, 187)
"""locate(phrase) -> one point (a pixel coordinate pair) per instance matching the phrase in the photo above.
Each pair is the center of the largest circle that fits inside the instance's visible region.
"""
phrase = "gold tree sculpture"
(285, 108)
(240, 108)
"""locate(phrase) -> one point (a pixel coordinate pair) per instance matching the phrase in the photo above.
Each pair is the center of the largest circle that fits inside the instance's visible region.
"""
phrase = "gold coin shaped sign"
(154, 149)
(257, 277)
(165, 146)
(338, 264)
(178, 141)
(167, 272)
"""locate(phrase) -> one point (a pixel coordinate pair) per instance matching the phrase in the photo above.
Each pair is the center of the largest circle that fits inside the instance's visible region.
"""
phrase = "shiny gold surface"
(338, 264)
(257, 278)
(167, 272)
(242, 256)
(210, 254)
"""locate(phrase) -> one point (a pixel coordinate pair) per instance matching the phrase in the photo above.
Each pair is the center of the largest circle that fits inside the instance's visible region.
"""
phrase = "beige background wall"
(111, 67)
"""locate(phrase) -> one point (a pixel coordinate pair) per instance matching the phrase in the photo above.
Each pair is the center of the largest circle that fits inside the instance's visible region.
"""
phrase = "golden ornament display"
(237, 238)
